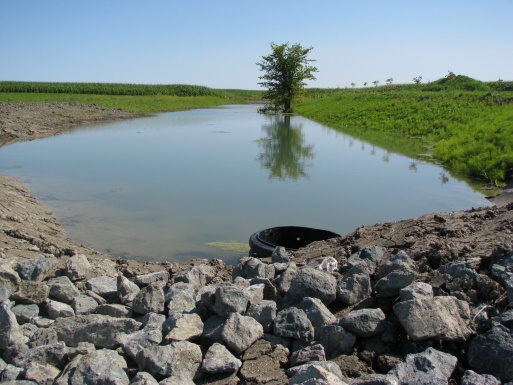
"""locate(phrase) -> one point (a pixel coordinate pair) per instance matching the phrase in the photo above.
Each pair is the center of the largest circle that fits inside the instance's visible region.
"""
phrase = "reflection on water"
(284, 152)
(166, 187)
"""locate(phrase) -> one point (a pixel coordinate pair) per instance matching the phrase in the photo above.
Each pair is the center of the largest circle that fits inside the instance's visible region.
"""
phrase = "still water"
(161, 188)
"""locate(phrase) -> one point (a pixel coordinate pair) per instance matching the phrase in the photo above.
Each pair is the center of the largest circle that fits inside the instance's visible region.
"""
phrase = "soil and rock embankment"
(424, 300)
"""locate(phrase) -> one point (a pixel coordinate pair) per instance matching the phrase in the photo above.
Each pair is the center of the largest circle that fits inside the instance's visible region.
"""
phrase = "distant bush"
(454, 82)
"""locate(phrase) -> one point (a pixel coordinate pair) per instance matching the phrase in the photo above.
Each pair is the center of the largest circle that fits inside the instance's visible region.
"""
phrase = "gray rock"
(280, 255)
(181, 298)
(176, 380)
(318, 314)
(78, 267)
(311, 283)
(41, 374)
(280, 267)
(31, 292)
(364, 322)
(182, 327)
(326, 264)
(55, 355)
(255, 293)
(284, 280)
(270, 291)
(133, 343)
(442, 318)
(354, 286)
(307, 354)
(10, 332)
(265, 313)
(143, 378)
(56, 309)
(126, 289)
(230, 299)
(398, 261)
(336, 340)
(36, 269)
(147, 279)
(416, 290)
(472, 378)
(294, 323)
(11, 373)
(25, 313)
(84, 304)
(100, 330)
(153, 321)
(218, 359)
(314, 374)
(212, 331)
(150, 299)
(428, 367)
(390, 285)
(207, 296)
(263, 364)
(43, 336)
(115, 310)
(63, 289)
(100, 367)
(370, 256)
(330, 366)
(198, 276)
(240, 332)
(103, 286)
(178, 359)
(98, 298)
(9, 282)
(250, 267)
(492, 353)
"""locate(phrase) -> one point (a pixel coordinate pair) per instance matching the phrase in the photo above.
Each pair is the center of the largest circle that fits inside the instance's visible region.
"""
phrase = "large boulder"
(36, 269)
(311, 283)
(63, 289)
(78, 267)
(240, 332)
(10, 332)
(355, 285)
(9, 282)
(364, 322)
(218, 359)
(31, 292)
(182, 327)
(150, 299)
(230, 299)
(293, 323)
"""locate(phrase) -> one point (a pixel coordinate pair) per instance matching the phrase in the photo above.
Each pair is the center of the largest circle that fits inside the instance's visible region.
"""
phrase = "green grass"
(470, 132)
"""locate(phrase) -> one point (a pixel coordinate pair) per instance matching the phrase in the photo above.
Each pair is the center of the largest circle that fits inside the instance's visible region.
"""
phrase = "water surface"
(161, 188)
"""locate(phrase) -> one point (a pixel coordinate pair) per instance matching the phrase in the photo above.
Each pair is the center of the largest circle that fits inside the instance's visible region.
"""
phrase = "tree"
(286, 70)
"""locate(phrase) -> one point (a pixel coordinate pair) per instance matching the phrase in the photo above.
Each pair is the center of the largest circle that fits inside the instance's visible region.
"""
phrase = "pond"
(173, 186)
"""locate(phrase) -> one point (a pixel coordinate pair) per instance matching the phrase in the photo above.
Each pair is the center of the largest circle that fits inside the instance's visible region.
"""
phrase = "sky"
(218, 43)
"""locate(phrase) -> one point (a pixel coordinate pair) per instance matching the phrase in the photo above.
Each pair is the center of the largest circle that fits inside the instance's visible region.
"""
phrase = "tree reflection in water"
(284, 152)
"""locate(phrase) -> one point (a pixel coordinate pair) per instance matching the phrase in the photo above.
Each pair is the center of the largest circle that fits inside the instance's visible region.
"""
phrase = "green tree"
(286, 70)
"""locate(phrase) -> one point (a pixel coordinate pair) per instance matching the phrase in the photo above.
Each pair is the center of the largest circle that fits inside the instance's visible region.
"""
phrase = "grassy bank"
(468, 124)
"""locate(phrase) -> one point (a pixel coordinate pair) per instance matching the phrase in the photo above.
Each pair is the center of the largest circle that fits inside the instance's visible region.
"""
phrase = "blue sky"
(217, 43)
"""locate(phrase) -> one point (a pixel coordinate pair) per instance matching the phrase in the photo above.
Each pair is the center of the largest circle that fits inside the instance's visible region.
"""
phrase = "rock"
(150, 299)
(284, 280)
(280, 255)
(115, 310)
(330, 366)
(103, 286)
(263, 364)
(143, 378)
(178, 359)
(182, 327)
(78, 267)
(31, 292)
(307, 354)
(370, 256)
(153, 321)
(364, 322)
(9, 282)
(472, 378)
(41, 374)
(11, 374)
(293, 323)
(43, 336)
(354, 286)
(147, 279)
(398, 261)
(55, 355)
(318, 314)
(230, 299)
(10, 332)
(265, 313)
(428, 367)
(390, 285)
(218, 359)
(25, 313)
(492, 353)
(98, 298)
(181, 298)
(63, 289)
(336, 340)
(442, 318)
(311, 283)
(100, 330)
(270, 291)
(100, 367)
(326, 264)
(126, 289)
(57, 309)
(415, 291)
(212, 331)
(207, 296)
(255, 293)
(313, 374)
(84, 304)
(36, 269)
(198, 276)
(250, 267)
(240, 332)
(133, 343)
